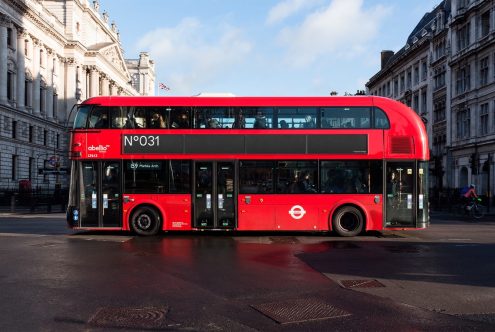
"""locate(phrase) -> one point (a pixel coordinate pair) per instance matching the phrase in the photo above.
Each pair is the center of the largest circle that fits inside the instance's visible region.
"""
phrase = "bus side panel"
(253, 215)
(303, 212)
(175, 209)
(375, 213)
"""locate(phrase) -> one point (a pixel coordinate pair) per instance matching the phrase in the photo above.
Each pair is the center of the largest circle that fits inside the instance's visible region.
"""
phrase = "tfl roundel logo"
(297, 212)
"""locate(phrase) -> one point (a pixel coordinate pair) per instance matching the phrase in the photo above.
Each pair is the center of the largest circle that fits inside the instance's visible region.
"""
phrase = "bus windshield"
(81, 117)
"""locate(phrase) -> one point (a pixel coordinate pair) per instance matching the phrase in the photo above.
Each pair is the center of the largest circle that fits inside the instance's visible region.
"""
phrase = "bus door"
(400, 194)
(100, 194)
(214, 194)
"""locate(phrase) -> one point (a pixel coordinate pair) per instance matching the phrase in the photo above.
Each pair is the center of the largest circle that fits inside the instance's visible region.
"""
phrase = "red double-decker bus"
(343, 164)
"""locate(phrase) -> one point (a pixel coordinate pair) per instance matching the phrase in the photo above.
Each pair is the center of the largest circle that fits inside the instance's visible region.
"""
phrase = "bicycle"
(475, 209)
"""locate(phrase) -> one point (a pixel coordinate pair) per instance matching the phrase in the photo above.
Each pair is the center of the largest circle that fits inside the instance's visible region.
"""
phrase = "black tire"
(478, 211)
(145, 221)
(348, 221)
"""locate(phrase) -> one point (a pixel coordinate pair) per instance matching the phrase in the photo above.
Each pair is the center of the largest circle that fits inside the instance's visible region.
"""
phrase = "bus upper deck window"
(381, 120)
(81, 119)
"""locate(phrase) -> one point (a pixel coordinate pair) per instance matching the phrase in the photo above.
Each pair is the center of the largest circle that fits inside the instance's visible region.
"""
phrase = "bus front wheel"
(145, 221)
(348, 221)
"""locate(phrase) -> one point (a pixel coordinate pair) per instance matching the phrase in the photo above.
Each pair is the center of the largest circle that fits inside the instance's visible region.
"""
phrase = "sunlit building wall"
(457, 40)
(53, 55)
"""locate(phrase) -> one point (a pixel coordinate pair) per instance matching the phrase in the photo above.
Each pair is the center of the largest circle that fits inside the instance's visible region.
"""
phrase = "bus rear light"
(76, 145)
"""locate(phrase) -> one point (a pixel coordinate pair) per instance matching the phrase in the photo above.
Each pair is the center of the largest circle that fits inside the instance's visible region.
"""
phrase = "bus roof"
(206, 100)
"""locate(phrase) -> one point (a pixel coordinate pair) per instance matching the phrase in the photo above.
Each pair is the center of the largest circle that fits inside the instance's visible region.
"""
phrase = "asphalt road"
(53, 279)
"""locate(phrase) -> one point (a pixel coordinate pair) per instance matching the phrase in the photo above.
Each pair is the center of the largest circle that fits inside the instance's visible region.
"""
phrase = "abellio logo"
(99, 148)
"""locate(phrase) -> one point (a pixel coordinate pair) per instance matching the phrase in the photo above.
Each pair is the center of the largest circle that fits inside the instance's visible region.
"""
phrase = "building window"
(416, 75)
(423, 102)
(396, 86)
(463, 123)
(26, 47)
(27, 93)
(484, 71)
(15, 161)
(42, 100)
(58, 141)
(439, 77)
(10, 40)
(55, 105)
(14, 129)
(31, 168)
(10, 85)
(45, 137)
(439, 110)
(416, 103)
(463, 80)
(439, 50)
(463, 37)
(424, 70)
(485, 23)
(402, 84)
(31, 134)
(409, 79)
(484, 119)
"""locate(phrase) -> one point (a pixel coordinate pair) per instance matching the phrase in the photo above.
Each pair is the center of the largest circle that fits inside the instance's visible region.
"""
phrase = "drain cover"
(300, 310)
(368, 283)
(134, 318)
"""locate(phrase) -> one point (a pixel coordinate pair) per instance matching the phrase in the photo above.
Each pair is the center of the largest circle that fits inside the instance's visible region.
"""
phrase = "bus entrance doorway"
(214, 194)
(100, 194)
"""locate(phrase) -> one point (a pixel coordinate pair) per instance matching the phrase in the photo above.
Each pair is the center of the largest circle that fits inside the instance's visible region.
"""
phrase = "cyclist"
(469, 195)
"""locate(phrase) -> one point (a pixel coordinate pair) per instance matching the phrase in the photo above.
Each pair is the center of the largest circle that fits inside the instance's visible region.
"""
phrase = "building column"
(94, 86)
(113, 88)
(21, 69)
(60, 88)
(49, 85)
(104, 86)
(70, 88)
(36, 77)
(4, 21)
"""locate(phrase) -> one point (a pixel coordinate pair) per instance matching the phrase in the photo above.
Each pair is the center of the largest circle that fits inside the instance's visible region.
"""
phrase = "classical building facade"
(142, 72)
(450, 59)
(53, 55)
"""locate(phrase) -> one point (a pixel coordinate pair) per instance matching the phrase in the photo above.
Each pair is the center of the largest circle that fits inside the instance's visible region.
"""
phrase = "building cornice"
(26, 11)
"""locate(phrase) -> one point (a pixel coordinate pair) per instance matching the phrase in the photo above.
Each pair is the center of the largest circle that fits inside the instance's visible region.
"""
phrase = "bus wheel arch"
(348, 220)
(145, 220)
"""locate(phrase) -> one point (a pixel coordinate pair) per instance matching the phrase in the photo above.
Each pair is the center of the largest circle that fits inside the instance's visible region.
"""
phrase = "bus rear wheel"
(348, 221)
(145, 221)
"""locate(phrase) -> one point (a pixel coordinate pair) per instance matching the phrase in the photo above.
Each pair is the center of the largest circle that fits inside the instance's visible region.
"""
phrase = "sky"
(264, 47)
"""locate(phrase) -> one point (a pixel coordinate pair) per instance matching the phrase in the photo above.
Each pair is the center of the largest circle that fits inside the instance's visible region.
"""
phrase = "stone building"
(142, 73)
(53, 55)
(446, 72)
